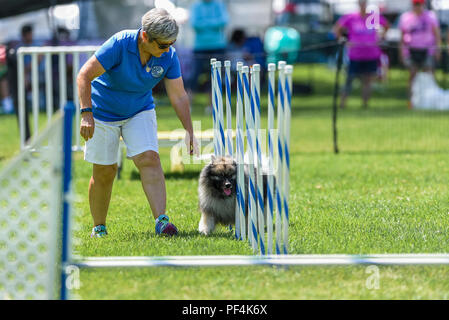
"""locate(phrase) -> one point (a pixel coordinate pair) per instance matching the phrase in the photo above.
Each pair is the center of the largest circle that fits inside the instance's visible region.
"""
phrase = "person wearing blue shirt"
(115, 89)
(208, 19)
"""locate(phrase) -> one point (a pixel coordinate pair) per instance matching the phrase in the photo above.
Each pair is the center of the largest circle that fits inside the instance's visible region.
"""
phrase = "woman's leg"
(413, 73)
(346, 90)
(140, 136)
(351, 74)
(153, 181)
(100, 189)
(367, 80)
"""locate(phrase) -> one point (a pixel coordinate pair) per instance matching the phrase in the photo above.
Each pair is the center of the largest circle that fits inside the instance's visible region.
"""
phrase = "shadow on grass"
(189, 175)
(187, 234)
(135, 175)
(186, 175)
(214, 235)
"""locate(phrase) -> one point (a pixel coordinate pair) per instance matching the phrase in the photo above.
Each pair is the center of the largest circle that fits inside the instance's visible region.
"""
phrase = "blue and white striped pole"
(286, 165)
(219, 103)
(252, 230)
(229, 144)
(280, 158)
(69, 109)
(214, 105)
(271, 155)
(240, 213)
(255, 84)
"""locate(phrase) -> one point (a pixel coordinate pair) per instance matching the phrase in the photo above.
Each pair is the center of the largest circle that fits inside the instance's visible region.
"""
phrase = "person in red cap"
(419, 49)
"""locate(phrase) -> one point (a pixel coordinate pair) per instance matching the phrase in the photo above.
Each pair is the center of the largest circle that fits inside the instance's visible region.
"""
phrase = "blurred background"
(258, 28)
(255, 31)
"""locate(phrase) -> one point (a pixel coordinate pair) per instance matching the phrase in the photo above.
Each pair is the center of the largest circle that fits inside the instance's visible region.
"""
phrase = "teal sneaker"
(99, 231)
(165, 227)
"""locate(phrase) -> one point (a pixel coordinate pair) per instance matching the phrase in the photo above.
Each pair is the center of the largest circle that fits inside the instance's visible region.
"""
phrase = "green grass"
(386, 192)
(407, 282)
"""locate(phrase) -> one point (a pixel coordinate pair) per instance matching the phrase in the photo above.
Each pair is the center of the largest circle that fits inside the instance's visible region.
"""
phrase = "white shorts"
(138, 132)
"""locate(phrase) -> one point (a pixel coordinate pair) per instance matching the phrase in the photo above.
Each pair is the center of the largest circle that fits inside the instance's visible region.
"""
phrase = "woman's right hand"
(87, 125)
(89, 71)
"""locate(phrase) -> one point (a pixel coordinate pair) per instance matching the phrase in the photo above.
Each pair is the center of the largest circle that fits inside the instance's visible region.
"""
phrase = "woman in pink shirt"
(419, 49)
(364, 51)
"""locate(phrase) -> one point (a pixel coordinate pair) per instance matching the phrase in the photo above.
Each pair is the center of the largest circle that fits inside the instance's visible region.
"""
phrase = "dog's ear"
(212, 158)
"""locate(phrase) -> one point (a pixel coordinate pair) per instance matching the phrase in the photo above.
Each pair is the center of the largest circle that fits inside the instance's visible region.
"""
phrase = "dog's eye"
(216, 178)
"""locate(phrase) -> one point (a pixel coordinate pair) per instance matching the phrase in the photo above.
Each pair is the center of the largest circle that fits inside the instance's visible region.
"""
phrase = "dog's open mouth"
(227, 191)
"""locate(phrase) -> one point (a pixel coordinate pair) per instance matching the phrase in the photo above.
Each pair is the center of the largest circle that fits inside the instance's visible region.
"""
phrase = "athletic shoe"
(99, 231)
(165, 227)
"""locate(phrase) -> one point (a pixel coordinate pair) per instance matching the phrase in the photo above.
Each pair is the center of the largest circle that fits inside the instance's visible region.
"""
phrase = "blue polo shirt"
(125, 89)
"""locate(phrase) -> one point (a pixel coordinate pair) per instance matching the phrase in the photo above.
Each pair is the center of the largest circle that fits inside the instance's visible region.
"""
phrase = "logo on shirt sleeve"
(157, 71)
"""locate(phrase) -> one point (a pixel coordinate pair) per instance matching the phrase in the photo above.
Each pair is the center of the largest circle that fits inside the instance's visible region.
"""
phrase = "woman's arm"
(90, 70)
(180, 102)
(338, 30)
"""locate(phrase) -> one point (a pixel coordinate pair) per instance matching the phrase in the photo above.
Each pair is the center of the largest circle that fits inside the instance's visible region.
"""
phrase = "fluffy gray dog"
(217, 193)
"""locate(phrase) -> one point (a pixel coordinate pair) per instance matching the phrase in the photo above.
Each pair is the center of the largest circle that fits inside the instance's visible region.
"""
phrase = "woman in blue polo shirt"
(115, 89)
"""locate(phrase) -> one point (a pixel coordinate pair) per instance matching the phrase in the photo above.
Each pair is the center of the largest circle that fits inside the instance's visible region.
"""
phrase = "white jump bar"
(271, 260)
(57, 49)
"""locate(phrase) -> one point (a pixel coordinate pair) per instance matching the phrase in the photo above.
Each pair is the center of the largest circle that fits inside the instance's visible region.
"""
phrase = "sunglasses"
(163, 46)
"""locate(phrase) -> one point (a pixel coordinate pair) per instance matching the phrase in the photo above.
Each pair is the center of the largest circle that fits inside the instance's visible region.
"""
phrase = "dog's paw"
(206, 225)
(204, 230)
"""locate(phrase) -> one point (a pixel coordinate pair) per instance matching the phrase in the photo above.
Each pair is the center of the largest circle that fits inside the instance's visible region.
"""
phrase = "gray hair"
(159, 24)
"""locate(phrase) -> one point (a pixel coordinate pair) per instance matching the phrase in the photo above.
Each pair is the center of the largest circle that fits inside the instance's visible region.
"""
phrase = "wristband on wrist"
(86, 110)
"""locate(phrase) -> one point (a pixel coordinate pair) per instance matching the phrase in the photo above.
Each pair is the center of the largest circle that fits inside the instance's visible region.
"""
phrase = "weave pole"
(252, 230)
(255, 84)
(240, 213)
(286, 163)
(214, 105)
(219, 103)
(279, 185)
(271, 155)
(229, 144)
(250, 194)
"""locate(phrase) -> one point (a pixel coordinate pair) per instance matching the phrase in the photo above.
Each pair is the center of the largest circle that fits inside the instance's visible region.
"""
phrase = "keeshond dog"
(217, 193)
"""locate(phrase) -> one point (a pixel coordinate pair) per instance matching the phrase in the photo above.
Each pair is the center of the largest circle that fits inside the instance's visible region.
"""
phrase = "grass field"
(386, 192)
